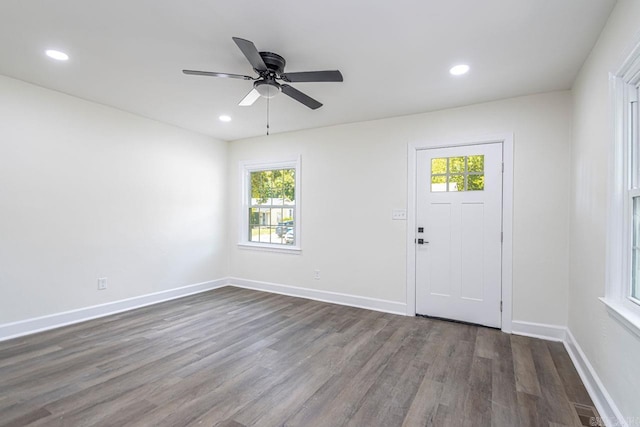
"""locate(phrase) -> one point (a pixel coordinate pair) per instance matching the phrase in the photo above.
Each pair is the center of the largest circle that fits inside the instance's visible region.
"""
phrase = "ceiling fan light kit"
(267, 88)
(270, 68)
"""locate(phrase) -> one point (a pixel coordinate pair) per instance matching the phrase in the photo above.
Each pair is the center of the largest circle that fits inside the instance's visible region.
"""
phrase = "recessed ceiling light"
(459, 70)
(56, 54)
(224, 118)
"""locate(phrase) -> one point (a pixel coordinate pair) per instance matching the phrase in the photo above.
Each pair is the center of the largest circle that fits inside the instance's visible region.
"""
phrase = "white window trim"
(246, 167)
(618, 256)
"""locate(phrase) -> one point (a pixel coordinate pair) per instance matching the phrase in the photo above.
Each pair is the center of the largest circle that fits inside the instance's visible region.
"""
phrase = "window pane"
(635, 250)
(456, 183)
(272, 206)
(264, 235)
(278, 187)
(254, 233)
(475, 163)
(289, 238)
(254, 216)
(265, 215)
(283, 227)
(456, 164)
(475, 182)
(288, 185)
(439, 165)
(261, 187)
(438, 183)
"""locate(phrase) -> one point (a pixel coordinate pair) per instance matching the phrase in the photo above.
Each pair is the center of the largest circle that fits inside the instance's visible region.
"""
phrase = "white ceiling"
(394, 55)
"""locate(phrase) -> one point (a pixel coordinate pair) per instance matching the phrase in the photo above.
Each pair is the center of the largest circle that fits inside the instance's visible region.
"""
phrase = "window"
(632, 198)
(623, 251)
(464, 173)
(270, 206)
(633, 190)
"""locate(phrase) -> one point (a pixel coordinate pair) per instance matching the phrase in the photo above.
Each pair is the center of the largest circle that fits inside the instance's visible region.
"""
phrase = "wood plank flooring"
(234, 357)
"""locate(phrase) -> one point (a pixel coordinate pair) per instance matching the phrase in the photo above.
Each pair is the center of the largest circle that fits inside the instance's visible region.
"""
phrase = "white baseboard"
(539, 330)
(599, 394)
(324, 296)
(57, 320)
(39, 324)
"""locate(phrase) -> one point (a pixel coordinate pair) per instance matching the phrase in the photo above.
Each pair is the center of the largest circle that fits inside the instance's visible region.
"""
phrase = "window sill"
(623, 315)
(292, 250)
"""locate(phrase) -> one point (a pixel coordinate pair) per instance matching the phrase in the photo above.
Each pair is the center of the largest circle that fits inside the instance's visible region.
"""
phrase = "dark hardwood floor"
(234, 357)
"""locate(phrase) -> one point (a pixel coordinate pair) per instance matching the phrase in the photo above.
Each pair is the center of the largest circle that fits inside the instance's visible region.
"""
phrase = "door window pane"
(475, 182)
(439, 166)
(438, 183)
(461, 173)
(475, 163)
(456, 164)
(456, 182)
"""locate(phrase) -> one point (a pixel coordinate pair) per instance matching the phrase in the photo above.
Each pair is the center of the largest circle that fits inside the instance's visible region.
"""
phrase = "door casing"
(507, 216)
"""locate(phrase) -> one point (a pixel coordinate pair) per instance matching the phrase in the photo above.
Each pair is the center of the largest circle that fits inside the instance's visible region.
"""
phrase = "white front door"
(459, 233)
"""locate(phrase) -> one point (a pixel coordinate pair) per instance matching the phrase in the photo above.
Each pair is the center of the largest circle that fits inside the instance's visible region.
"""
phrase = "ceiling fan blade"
(300, 97)
(313, 76)
(251, 53)
(250, 98)
(214, 74)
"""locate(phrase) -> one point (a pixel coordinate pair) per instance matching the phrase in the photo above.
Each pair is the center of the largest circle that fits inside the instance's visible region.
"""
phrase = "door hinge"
(633, 94)
(502, 167)
(500, 306)
(502, 237)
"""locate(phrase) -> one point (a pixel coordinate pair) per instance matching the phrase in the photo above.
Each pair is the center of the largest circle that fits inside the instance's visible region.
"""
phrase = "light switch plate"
(399, 214)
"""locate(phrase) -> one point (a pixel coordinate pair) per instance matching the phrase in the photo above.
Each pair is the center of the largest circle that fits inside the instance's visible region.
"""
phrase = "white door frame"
(507, 216)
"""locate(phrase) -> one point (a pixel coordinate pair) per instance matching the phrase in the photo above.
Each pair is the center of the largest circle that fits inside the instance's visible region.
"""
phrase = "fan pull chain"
(268, 116)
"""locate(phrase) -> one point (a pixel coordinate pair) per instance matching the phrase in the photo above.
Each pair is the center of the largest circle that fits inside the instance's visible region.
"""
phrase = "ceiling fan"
(270, 69)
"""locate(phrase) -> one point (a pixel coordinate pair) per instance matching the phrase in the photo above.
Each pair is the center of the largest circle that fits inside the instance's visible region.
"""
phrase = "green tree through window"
(269, 184)
(462, 173)
(272, 203)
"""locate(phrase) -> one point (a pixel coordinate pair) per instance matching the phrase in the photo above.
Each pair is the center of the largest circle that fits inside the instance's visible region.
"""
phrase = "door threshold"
(462, 322)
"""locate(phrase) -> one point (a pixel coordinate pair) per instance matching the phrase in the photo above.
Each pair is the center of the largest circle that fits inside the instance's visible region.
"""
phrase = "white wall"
(89, 191)
(613, 351)
(354, 175)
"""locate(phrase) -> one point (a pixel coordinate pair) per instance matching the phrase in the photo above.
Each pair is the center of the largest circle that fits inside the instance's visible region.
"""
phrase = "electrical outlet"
(316, 274)
(102, 283)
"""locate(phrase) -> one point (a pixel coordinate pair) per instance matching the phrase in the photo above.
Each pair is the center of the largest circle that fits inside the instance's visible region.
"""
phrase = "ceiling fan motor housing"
(274, 62)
